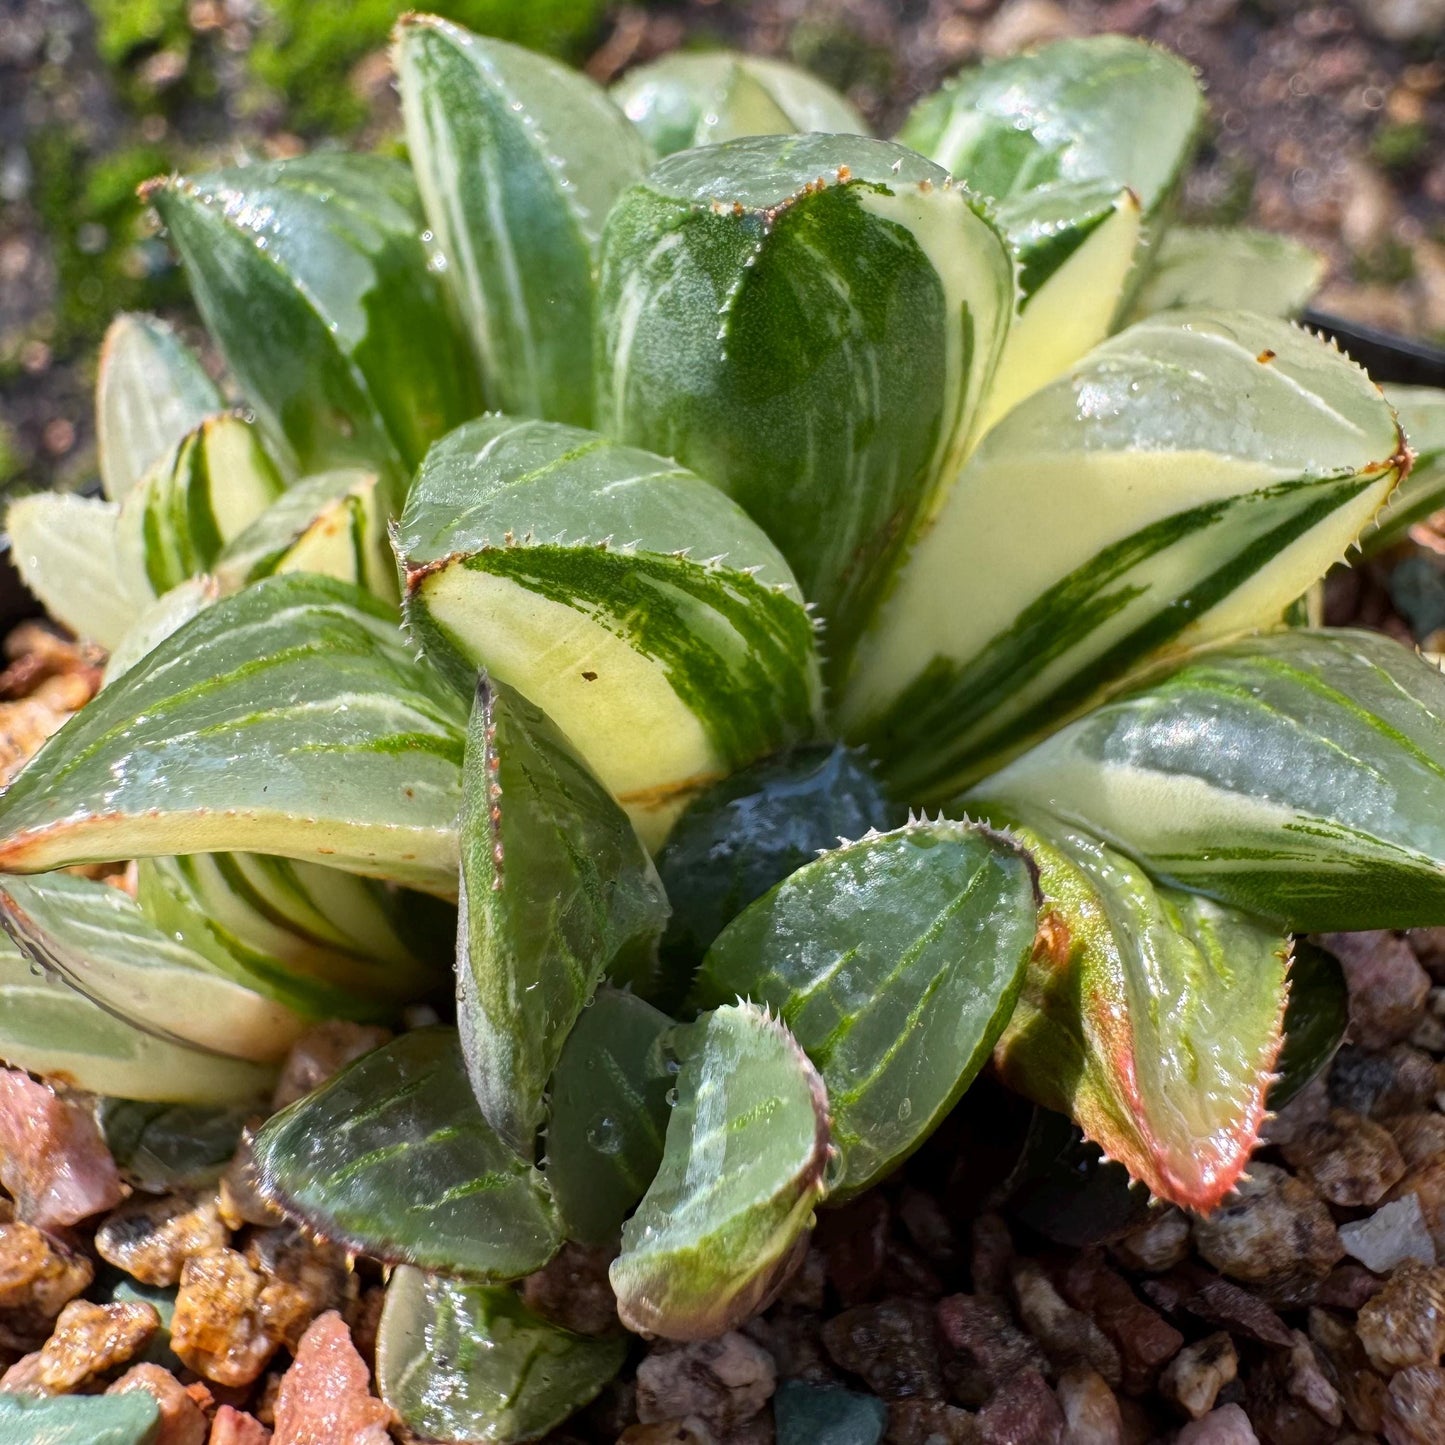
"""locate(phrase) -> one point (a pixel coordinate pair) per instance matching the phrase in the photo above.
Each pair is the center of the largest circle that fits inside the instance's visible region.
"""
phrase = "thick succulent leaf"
(393, 1159)
(518, 160)
(151, 390)
(288, 719)
(1300, 776)
(683, 100)
(750, 831)
(895, 963)
(98, 940)
(471, 1362)
(334, 524)
(810, 323)
(1197, 474)
(1314, 1022)
(608, 1114)
(157, 620)
(1152, 1017)
(63, 547)
(159, 1147)
(254, 920)
(639, 607)
(202, 493)
(555, 886)
(728, 1214)
(57, 1032)
(132, 1418)
(1233, 268)
(312, 276)
(1421, 410)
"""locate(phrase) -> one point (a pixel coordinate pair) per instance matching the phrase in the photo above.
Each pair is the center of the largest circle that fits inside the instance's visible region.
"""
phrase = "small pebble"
(1023, 1409)
(1405, 1323)
(1394, 1233)
(325, 1397)
(1349, 1160)
(1415, 1409)
(1228, 1425)
(218, 1329)
(90, 1339)
(929, 1422)
(989, 1347)
(236, 1427)
(1427, 1184)
(725, 1381)
(1194, 1377)
(1145, 1340)
(1419, 1137)
(321, 1053)
(302, 1278)
(37, 1273)
(1401, 1080)
(1386, 982)
(1091, 1411)
(183, 1422)
(1068, 1336)
(151, 1238)
(1218, 1302)
(807, 1414)
(1362, 1391)
(1156, 1246)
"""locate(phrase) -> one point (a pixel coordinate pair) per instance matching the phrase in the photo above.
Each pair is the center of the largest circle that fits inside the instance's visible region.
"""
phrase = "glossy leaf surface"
(556, 886)
(1300, 776)
(1196, 473)
(720, 1227)
(608, 1114)
(895, 963)
(1150, 1016)
(810, 323)
(151, 390)
(636, 605)
(288, 719)
(312, 277)
(160, 1147)
(1233, 268)
(471, 1362)
(155, 622)
(518, 160)
(686, 100)
(392, 1159)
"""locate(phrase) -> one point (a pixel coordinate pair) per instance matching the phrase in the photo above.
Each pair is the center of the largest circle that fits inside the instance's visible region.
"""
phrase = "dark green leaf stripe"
(895, 963)
(393, 1159)
(809, 323)
(461, 1361)
(556, 886)
(518, 160)
(288, 719)
(1300, 776)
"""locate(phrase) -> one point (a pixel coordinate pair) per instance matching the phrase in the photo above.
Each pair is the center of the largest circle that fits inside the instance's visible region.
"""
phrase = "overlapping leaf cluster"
(745, 483)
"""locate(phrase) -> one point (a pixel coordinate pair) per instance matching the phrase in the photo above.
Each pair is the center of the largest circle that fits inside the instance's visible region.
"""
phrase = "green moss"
(1400, 147)
(125, 26)
(1391, 263)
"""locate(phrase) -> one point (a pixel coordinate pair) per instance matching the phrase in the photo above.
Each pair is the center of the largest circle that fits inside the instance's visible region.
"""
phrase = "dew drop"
(671, 1097)
(604, 1134)
(904, 1110)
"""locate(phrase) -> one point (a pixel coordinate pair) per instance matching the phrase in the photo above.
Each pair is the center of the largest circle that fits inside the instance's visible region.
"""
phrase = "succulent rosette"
(793, 618)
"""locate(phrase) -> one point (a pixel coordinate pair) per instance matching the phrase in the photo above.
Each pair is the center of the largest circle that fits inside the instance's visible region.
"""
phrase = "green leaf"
(1233, 268)
(1197, 474)
(1421, 410)
(255, 920)
(160, 1147)
(1300, 776)
(157, 620)
(895, 963)
(151, 390)
(98, 940)
(637, 606)
(312, 276)
(63, 547)
(556, 886)
(392, 1159)
(608, 1114)
(206, 490)
(725, 1220)
(1152, 1017)
(55, 1031)
(334, 525)
(468, 1362)
(750, 831)
(288, 719)
(133, 1418)
(810, 323)
(1314, 1022)
(685, 100)
(518, 160)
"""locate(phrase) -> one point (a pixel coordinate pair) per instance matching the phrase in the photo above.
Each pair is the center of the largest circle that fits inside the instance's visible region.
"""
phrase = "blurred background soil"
(1327, 121)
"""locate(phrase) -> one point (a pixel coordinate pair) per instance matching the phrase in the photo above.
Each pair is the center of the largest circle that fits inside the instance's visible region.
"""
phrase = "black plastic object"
(1385, 356)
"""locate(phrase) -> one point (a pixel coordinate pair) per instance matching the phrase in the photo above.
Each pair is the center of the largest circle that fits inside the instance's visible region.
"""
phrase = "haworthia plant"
(682, 101)
(1300, 776)
(312, 276)
(393, 1158)
(1233, 268)
(721, 1226)
(556, 889)
(639, 607)
(895, 963)
(461, 1361)
(151, 390)
(519, 160)
(288, 719)
(1151, 1016)
(1199, 472)
(154, 622)
(810, 323)
(1421, 410)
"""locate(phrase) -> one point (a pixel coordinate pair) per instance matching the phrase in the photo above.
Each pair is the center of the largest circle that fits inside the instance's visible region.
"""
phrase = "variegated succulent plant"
(829, 612)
